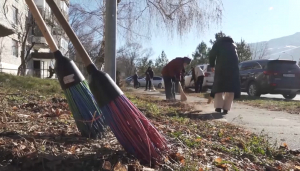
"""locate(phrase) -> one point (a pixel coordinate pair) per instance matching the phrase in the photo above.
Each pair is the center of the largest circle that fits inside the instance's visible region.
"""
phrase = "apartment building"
(14, 15)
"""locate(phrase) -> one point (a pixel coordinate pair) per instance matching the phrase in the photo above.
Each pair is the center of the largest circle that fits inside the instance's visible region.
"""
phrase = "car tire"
(252, 90)
(159, 85)
(289, 96)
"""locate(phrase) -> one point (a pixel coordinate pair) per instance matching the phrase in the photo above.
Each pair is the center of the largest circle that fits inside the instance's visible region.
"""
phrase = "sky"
(252, 20)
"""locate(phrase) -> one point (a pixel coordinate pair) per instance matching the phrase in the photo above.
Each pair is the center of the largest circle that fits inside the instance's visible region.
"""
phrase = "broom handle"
(41, 24)
(69, 31)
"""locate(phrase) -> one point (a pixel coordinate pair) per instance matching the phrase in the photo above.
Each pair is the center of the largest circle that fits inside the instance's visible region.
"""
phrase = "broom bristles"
(133, 130)
(86, 113)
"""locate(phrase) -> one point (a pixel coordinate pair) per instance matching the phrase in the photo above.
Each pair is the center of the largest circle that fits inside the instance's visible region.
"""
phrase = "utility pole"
(110, 38)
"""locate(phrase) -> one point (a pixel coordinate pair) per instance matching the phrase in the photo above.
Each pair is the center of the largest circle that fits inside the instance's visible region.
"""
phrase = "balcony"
(47, 16)
(40, 42)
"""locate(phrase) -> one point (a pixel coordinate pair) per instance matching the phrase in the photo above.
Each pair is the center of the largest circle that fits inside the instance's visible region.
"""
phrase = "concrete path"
(279, 126)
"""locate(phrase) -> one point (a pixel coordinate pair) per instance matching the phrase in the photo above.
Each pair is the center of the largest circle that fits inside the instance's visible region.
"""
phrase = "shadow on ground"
(195, 116)
(13, 159)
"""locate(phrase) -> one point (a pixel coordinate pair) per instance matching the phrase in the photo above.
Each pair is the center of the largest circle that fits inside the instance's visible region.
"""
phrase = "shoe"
(225, 112)
(219, 110)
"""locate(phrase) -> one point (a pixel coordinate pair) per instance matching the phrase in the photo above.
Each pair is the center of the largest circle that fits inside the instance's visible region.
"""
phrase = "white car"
(208, 78)
(157, 82)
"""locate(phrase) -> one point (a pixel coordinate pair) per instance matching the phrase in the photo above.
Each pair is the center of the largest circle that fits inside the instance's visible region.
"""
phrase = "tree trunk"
(22, 67)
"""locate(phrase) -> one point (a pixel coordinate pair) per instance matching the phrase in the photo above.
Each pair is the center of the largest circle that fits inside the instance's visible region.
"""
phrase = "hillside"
(283, 47)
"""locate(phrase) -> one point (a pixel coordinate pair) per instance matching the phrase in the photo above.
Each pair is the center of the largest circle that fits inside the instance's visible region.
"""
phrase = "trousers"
(223, 100)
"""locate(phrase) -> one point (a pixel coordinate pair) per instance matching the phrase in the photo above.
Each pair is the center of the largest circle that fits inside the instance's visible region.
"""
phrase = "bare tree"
(259, 50)
(22, 28)
(139, 19)
(127, 56)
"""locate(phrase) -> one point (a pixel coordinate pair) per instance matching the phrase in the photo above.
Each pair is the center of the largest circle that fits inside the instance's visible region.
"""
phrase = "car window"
(256, 66)
(240, 66)
(247, 66)
(157, 78)
(282, 66)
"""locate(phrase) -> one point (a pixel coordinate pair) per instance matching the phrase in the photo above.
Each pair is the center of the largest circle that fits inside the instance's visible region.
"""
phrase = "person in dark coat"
(148, 78)
(151, 72)
(170, 72)
(51, 71)
(224, 61)
(135, 80)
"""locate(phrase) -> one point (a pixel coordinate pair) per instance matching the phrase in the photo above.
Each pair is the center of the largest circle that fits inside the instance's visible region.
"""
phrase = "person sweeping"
(170, 72)
(224, 61)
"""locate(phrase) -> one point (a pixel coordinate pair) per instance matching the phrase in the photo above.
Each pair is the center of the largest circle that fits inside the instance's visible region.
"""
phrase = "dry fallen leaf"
(73, 149)
(15, 108)
(201, 169)
(218, 160)
(285, 145)
(22, 147)
(198, 140)
(106, 165)
(120, 167)
(57, 112)
(297, 168)
(219, 163)
(177, 157)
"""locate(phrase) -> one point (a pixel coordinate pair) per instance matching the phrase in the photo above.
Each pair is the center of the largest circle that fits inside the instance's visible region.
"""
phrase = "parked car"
(208, 78)
(157, 82)
(129, 80)
(270, 77)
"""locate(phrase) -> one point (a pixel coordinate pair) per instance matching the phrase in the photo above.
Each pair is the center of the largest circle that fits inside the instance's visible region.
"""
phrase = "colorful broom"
(132, 129)
(83, 106)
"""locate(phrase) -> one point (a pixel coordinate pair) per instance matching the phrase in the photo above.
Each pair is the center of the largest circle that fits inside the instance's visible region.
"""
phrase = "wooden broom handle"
(69, 31)
(40, 22)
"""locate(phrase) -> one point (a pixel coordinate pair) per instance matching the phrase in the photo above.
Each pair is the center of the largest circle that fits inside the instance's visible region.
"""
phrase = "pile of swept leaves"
(37, 132)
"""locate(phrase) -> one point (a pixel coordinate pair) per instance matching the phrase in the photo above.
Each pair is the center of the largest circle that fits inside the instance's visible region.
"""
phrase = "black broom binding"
(104, 86)
(67, 72)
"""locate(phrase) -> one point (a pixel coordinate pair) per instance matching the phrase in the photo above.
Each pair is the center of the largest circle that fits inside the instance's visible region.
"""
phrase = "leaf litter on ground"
(37, 132)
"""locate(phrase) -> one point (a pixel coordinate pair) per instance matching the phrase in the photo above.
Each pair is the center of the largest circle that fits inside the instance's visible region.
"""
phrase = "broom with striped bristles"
(132, 129)
(82, 104)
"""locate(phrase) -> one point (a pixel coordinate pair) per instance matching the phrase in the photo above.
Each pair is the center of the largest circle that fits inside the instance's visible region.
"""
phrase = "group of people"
(149, 80)
(223, 60)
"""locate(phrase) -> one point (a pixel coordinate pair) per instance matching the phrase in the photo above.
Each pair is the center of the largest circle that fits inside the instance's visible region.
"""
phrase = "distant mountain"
(287, 47)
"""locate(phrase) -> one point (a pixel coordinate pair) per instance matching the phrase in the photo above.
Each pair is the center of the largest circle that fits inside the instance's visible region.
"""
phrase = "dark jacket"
(173, 68)
(224, 58)
(135, 78)
(147, 73)
(193, 74)
(151, 74)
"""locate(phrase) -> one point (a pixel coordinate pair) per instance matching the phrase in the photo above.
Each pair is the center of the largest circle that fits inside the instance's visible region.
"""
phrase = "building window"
(15, 15)
(15, 48)
(64, 6)
(64, 44)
